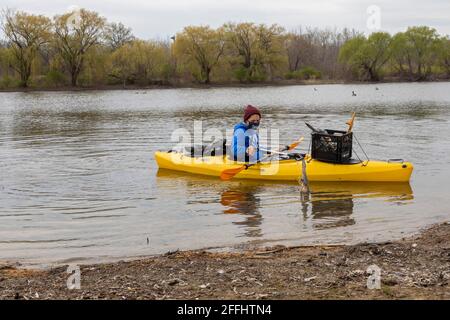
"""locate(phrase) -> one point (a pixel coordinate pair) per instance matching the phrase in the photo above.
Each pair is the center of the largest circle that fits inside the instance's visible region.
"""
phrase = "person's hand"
(251, 150)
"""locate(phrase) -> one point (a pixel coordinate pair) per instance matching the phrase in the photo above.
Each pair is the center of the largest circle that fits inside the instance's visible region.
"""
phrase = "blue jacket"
(243, 137)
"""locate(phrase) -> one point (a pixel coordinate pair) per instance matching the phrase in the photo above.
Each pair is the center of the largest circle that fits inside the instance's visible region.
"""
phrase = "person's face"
(254, 118)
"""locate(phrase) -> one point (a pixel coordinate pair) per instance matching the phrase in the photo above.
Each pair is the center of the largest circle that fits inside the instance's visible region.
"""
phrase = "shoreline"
(417, 267)
(279, 83)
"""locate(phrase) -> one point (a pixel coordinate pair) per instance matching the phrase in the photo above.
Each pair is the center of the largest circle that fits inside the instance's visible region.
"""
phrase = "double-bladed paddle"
(228, 174)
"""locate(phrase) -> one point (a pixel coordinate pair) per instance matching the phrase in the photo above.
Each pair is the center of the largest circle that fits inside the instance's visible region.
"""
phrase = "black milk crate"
(332, 146)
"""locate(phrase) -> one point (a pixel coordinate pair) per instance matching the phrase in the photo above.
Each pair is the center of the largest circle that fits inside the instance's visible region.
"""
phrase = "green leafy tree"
(75, 33)
(367, 56)
(121, 67)
(416, 51)
(139, 61)
(95, 67)
(26, 34)
(258, 50)
(401, 59)
(444, 55)
(200, 49)
(5, 62)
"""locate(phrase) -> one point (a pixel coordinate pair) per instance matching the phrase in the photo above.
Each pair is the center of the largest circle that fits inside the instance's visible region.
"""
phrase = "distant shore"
(411, 268)
(277, 83)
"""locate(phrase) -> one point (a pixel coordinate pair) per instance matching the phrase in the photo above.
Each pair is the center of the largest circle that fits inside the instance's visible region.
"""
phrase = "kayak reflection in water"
(245, 203)
(245, 144)
(332, 204)
(332, 213)
(328, 211)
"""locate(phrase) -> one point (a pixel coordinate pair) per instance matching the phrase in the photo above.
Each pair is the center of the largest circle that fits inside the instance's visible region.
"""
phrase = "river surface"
(78, 180)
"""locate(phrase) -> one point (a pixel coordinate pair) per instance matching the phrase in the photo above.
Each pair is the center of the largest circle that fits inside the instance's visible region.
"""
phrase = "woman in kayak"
(245, 143)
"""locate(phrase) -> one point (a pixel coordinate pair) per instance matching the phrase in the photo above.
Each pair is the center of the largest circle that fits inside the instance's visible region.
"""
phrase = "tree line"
(81, 48)
(417, 54)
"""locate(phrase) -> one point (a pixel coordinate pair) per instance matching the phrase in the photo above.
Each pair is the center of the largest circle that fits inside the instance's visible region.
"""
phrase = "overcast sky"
(162, 18)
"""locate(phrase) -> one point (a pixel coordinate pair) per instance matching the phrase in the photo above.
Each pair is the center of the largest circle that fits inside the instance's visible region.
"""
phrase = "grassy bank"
(413, 268)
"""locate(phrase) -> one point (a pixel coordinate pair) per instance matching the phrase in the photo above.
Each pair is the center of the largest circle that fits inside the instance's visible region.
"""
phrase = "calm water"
(78, 181)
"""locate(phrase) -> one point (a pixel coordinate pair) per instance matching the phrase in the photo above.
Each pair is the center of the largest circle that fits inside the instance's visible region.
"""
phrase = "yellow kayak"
(289, 170)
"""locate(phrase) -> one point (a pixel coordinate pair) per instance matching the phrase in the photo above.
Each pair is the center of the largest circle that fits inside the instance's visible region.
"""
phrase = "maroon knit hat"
(249, 111)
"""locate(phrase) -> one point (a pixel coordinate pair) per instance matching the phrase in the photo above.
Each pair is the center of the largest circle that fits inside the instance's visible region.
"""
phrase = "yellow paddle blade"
(295, 144)
(350, 122)
(228, 174)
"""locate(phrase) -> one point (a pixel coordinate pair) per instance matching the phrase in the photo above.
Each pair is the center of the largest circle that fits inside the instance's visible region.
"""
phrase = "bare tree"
(116, 35)
(317, 48)
(300, 50)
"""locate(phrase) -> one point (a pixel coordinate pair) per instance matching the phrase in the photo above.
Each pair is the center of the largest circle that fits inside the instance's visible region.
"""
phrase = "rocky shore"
(411, 268)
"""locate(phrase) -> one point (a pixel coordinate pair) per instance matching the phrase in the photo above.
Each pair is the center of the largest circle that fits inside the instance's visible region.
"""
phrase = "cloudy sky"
(162, 18)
